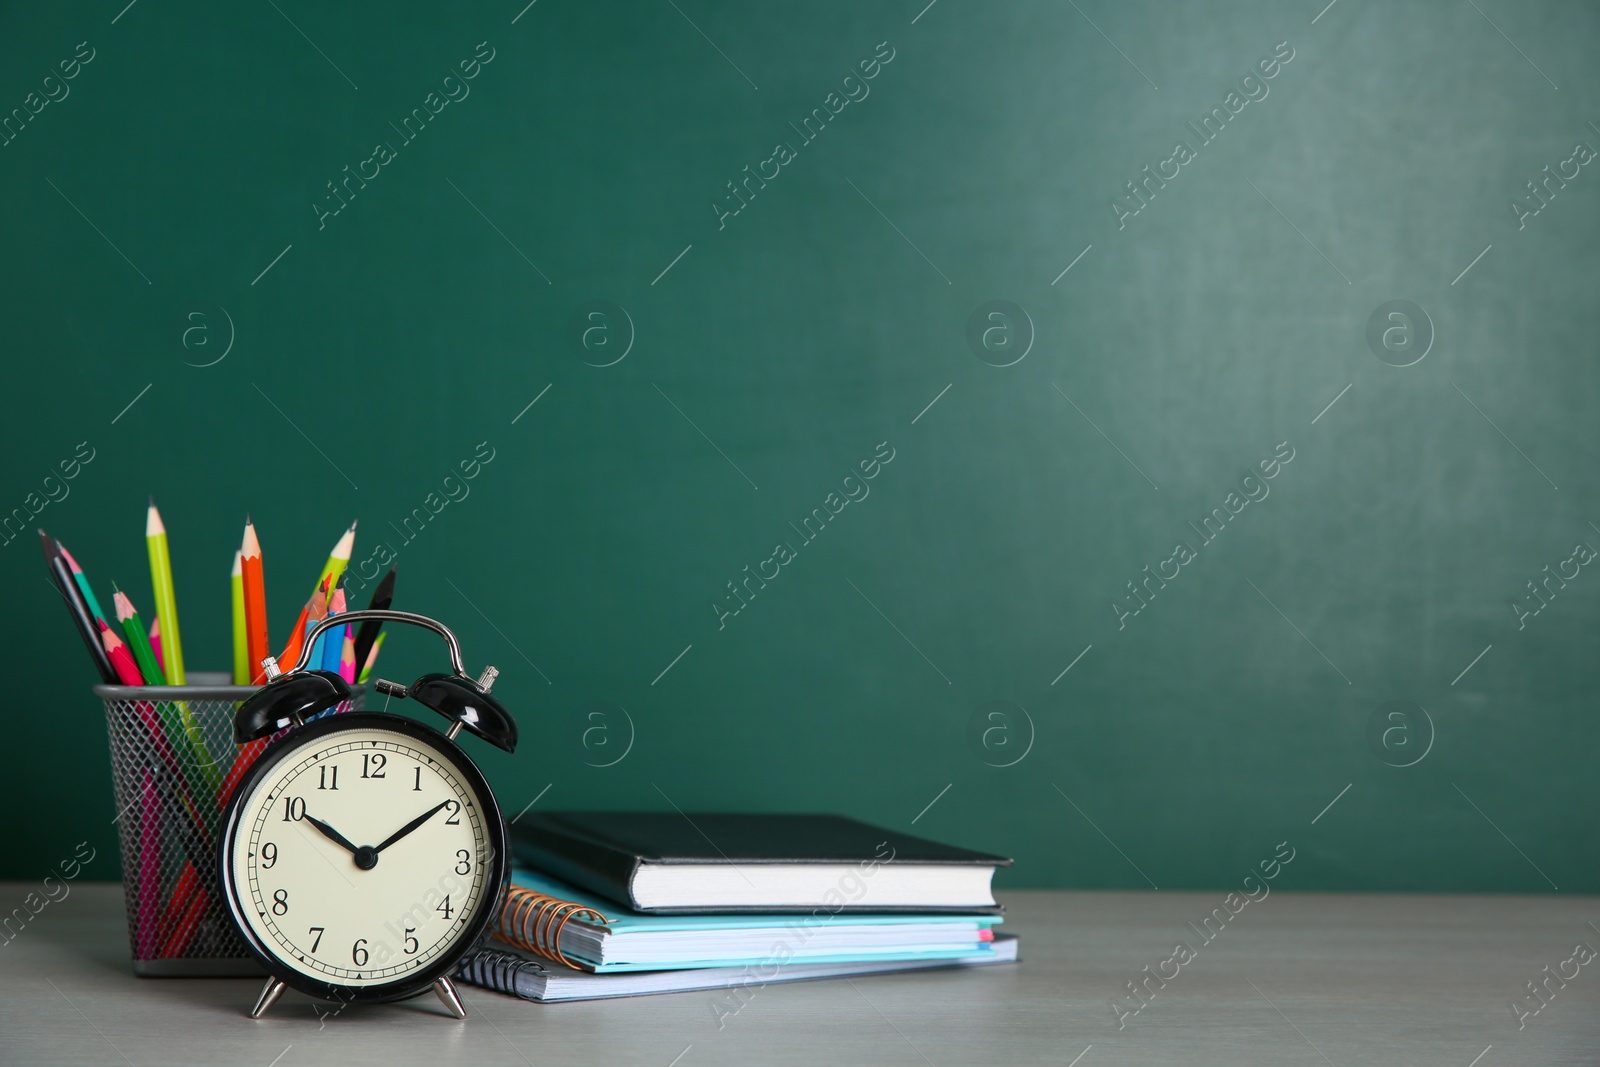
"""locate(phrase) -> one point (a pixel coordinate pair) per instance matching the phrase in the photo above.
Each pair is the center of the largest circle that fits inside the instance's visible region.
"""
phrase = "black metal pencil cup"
(173, 765)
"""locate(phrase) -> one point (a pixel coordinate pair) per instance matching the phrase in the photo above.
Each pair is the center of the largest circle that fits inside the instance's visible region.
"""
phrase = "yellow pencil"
(372, 657)
(338, 559)
(155, 534)
(241, 648)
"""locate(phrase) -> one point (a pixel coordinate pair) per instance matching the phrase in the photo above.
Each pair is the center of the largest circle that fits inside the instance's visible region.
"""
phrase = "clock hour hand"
(412, 825)
(331, 834)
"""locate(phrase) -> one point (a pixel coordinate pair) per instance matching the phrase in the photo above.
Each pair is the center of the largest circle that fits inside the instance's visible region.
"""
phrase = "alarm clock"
(363, 854)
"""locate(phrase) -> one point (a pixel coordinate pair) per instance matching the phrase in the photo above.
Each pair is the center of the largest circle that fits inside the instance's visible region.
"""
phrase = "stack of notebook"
(609, 904)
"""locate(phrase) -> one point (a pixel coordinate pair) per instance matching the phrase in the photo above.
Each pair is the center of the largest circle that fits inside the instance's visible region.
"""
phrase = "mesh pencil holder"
(173, 766)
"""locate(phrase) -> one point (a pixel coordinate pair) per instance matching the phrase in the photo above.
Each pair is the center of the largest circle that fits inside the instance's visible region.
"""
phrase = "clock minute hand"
(412, 825)
(331, 834)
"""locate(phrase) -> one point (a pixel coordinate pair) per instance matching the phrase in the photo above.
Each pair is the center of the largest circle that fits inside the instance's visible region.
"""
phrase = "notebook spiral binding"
(498, 970)
(534, 921)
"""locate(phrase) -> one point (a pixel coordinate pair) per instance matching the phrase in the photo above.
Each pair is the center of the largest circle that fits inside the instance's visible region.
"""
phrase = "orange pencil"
(248, 752)
(314, 611)
(255, 602)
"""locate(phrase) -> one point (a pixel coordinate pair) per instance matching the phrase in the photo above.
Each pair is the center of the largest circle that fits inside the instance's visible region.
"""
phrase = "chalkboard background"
(938, 273)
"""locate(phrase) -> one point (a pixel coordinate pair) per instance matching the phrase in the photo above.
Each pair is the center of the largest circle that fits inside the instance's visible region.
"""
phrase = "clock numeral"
(416, 786)
(280, 903)
(269, 856)
(318, 930)
(463, 862)
(411, 942)
(372, 764)
(294, 809)
(358, 953)
(329, 781)
(454, 808)
(444, 908)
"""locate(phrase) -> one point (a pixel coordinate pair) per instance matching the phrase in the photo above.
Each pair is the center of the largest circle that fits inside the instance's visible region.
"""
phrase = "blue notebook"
(563, 924)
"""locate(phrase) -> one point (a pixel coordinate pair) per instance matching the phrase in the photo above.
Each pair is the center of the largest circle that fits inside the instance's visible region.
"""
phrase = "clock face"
(362, 856)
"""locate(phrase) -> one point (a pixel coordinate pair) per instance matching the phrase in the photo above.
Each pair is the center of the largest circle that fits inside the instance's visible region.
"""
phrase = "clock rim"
(410, 985)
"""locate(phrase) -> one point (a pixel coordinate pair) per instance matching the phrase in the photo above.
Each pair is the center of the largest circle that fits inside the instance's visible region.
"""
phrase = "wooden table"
(1297, 978)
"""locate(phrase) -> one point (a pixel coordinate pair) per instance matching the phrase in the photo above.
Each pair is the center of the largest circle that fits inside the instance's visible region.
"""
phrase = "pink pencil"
(147, 941)
(347, 657)
(155, 643)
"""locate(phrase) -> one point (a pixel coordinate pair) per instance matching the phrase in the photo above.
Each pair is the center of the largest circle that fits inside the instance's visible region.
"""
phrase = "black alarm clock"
(363, 854)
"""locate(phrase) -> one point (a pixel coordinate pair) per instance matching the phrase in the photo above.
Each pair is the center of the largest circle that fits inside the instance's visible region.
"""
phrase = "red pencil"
(121, 658)
(178, 903)
(187, 926)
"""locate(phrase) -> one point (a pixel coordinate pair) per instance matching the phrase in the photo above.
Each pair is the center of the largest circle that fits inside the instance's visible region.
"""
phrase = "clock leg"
(269, 996)
(452, 1000)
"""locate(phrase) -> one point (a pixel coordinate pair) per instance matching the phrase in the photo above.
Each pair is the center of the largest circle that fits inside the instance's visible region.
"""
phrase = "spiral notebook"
(518, 973)
(567, 926)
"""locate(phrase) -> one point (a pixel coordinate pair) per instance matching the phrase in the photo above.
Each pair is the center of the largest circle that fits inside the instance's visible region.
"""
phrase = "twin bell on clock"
(363, 855)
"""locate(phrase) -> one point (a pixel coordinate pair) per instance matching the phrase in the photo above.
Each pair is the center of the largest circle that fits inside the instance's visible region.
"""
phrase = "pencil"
(169, 732)
(121, 659)
(382, 597)
(66, 587)
(138, 640)
(148, 892)
(372, 657)
(346, 669)
(241, 645)
(248, 751)
(296, 643)
(178, 904)
(331, 572)
(128, 671)
(166, 644)
(338, 559)
(255, 602)
(316, 611)
(175, 714)
(330, 646)
(347, 657)
(82, 581)
(166, 753)
(188, 926)
(155, 533)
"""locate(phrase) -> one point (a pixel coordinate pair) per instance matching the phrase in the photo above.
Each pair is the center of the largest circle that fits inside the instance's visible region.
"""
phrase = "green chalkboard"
(1123, 436)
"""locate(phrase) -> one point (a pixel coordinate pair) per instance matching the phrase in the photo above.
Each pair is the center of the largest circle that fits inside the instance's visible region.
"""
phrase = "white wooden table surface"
(1298, 978)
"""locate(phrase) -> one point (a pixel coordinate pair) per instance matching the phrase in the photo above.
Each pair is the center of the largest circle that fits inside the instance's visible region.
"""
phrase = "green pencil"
(138, 639)
(180, 726)
(83, 582)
